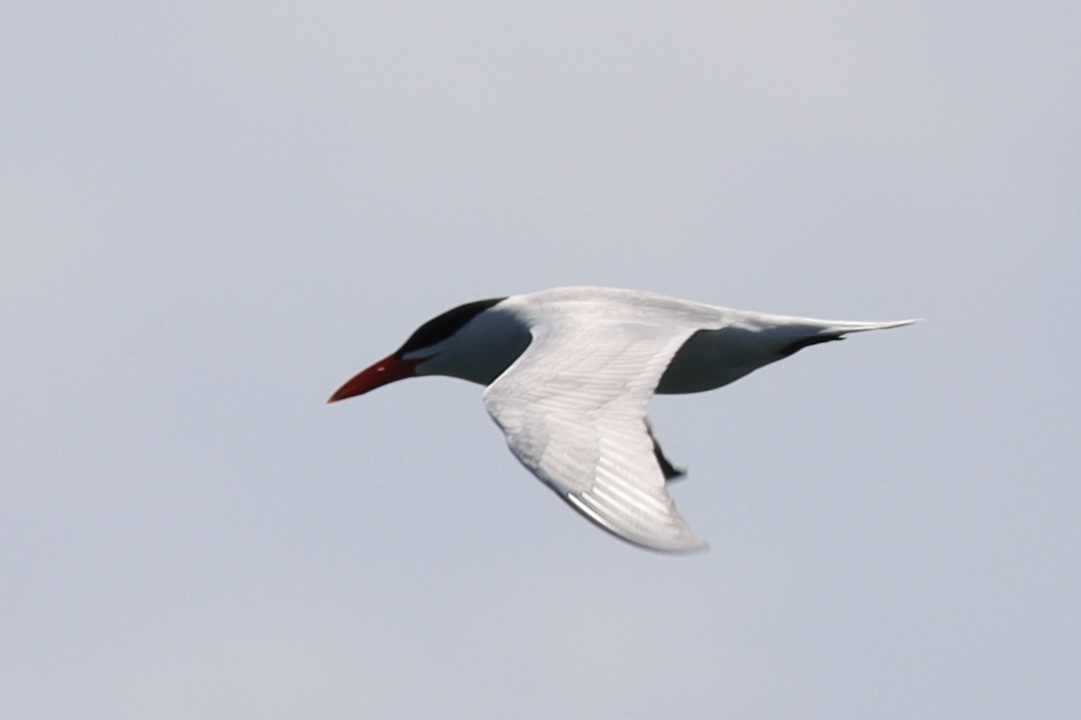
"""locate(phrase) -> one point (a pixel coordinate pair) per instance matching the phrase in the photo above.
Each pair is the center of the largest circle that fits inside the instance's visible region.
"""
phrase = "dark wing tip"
(670, 471)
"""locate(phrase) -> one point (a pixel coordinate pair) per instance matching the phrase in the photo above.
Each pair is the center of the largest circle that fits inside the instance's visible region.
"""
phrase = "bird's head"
(473, 342)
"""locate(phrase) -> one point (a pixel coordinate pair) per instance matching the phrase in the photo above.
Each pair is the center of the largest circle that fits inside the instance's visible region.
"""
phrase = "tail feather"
(847, 327)
(836, 330)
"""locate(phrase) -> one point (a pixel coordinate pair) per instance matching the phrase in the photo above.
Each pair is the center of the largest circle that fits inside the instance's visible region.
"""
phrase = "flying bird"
(569, 373)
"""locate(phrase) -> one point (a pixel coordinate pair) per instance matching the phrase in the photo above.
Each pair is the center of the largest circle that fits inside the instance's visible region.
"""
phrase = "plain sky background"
(213, 213)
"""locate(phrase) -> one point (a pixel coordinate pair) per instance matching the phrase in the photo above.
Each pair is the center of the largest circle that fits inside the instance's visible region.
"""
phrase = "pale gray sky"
(216, 212)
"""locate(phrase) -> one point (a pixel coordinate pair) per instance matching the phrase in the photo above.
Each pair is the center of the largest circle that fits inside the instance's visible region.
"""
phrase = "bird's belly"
(713, 358)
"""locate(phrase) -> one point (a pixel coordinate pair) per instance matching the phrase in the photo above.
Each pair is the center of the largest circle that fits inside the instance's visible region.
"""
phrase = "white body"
(570, 372)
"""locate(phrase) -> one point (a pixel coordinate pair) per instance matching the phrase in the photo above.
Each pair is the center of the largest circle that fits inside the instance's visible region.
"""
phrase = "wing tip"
(692, 545)
(681, 542)
(686, 543)
(695, 546)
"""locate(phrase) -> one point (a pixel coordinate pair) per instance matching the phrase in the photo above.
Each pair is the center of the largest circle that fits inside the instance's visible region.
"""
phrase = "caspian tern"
(569, 373)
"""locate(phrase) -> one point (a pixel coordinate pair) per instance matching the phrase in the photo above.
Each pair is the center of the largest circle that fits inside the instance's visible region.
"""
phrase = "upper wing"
(573, 408)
